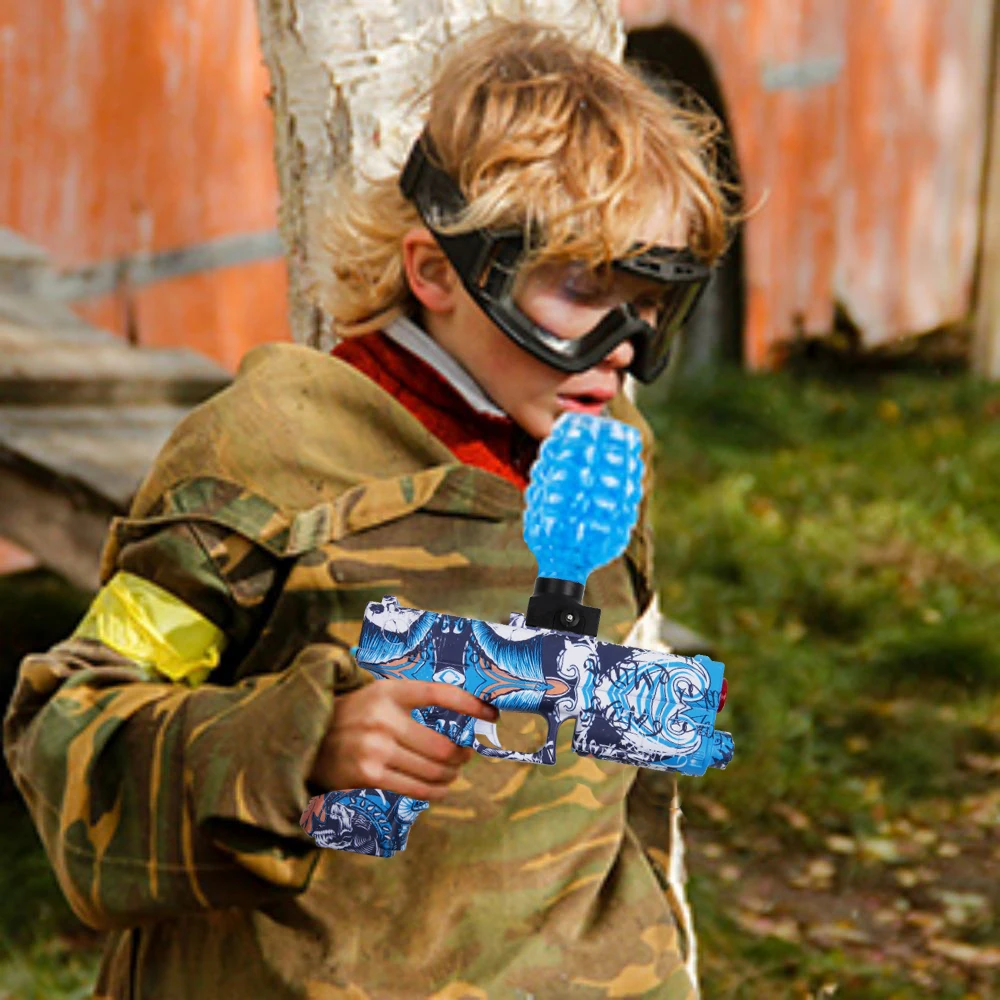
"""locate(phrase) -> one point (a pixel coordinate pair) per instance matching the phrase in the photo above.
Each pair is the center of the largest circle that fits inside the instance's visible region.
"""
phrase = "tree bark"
(986, 344)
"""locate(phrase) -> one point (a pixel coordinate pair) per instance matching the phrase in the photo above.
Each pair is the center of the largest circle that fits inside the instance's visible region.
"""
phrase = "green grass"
(841, 546)
(44, 953)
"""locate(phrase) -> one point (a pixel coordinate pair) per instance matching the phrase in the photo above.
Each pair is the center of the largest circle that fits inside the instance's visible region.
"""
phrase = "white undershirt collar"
(408, 335)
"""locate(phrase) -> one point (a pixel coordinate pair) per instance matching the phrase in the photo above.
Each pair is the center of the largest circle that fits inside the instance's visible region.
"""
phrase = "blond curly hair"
(541, 133)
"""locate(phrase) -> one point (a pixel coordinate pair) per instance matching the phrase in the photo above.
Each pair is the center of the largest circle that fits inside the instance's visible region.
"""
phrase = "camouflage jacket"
(277, 510)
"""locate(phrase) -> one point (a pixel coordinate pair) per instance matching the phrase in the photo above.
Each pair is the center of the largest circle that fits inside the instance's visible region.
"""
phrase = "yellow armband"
(149, 625)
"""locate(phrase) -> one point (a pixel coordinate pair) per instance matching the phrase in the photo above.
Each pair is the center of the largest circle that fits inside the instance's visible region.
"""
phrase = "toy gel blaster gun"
(633, 706)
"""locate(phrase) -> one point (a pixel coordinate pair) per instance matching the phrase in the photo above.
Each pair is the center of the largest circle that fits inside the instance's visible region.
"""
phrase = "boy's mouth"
(584, 402)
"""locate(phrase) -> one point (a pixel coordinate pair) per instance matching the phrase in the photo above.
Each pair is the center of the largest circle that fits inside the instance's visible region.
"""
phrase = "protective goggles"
(488, 262)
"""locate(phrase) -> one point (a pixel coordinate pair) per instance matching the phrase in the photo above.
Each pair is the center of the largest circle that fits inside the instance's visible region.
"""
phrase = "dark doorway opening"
(713, 338)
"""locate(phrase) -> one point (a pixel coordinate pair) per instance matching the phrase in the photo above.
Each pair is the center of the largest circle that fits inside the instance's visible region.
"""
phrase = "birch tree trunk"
(344, 78)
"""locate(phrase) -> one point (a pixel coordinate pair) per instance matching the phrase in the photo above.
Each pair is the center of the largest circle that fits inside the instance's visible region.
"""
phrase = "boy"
(551, 230)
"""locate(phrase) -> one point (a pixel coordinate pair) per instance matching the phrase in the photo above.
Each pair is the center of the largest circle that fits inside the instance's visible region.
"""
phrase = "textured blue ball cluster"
(583, 495)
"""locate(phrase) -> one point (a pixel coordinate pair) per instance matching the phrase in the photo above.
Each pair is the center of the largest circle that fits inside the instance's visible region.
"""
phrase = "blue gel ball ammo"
(583, 495)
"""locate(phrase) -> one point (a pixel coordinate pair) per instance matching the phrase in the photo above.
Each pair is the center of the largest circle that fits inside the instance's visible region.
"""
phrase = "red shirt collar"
(495, 444)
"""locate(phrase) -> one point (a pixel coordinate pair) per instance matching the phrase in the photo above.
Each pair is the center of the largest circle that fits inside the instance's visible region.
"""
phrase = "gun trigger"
(489, 730)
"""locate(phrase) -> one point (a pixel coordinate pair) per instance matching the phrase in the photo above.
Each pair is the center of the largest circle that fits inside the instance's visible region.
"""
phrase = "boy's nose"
(620, 357)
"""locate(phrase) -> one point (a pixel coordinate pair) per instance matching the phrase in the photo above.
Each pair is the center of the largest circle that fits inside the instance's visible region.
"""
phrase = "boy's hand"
(373, 741)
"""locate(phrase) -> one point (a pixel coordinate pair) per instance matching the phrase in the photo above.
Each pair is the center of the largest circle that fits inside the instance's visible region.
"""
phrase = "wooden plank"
(14, 558)
(46, 370)
(64, 530)
(51, 319)
(986, 349)
(22, 264)
(101, 452)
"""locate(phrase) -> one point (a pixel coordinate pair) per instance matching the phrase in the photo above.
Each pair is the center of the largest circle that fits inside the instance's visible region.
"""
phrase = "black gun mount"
(558, 604)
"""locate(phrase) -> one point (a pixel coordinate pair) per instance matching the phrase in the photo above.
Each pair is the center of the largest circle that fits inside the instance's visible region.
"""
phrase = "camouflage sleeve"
(154, 798)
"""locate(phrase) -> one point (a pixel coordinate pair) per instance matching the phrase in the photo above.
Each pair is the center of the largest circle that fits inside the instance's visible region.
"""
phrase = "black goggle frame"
(487, 261)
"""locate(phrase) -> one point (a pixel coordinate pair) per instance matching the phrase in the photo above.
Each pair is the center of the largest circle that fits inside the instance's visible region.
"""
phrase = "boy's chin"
(537, 422)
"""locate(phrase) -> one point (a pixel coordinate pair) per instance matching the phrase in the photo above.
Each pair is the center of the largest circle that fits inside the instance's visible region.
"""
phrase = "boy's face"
(568, 301)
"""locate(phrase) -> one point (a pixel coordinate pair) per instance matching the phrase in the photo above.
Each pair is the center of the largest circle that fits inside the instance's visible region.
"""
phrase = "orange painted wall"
(128, 126)
(867, 178)
(141, 125)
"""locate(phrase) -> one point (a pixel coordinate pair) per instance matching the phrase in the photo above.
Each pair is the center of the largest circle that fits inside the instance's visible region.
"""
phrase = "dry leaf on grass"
(730, 873)
(840, 932)
(910, 878)
(715, 811)
(965, 954)
(926, 923)
(961, 908)
(818, 874)
(881, 849)
(781, 927)
(793, 817)
(840, 844)
(983, 810)
(982, 763)
(756, 904)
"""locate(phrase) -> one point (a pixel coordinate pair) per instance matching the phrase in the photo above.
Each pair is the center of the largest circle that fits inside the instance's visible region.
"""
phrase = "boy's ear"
(429, 273)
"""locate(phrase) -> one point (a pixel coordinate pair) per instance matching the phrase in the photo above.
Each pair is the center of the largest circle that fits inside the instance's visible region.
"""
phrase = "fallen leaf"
(756, 904)
(841, 932)
(879, 849)
(715, 811)
(784, 927)
(909, 878)
(712, 850)
(965, 954)
(982, 763)
(924, 980)
(857, 744)
(818, 874)
(886, 917)
(730, 873)
(925, 922)
(962, 908)
(793, 817)
(949, 850)
(840, 844)
(984, 810)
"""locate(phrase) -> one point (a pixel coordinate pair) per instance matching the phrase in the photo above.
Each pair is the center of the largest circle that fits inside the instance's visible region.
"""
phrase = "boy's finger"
(421, 768)
(404, 784)
(420, 694)
(429, 744)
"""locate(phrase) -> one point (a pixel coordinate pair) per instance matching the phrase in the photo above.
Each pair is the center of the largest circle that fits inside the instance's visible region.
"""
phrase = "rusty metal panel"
(916, 107)
(137, 126)
(859, 127)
